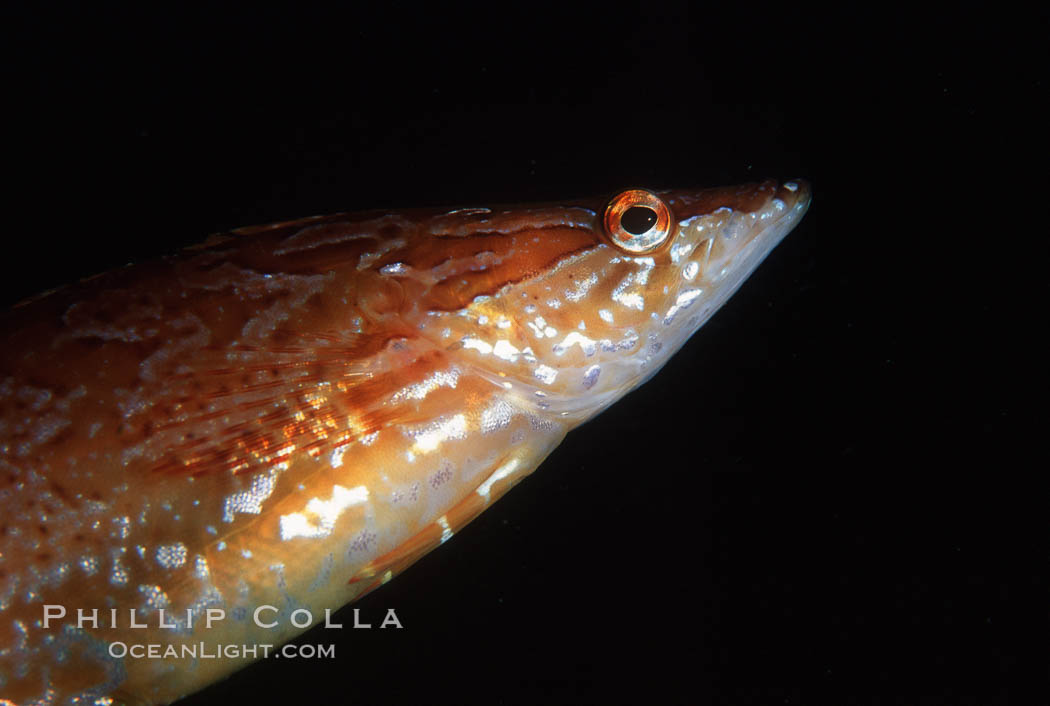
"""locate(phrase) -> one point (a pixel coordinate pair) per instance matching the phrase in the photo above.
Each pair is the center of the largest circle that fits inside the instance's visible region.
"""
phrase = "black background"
(822, 498)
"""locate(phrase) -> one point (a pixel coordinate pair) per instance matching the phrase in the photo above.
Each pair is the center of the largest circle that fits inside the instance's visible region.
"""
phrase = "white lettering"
(309, 618)
(161, 624)
(133, 624)
(391, 619)
(49, 613)
(328, 620)
(211, 614)
(260, 609)
(82, 618)
(358, 624)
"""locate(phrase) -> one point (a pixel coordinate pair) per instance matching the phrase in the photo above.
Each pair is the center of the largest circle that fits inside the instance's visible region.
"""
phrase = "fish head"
(647, 270)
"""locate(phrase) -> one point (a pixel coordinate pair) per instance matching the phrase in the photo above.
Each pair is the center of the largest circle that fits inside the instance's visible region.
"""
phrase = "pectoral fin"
(497, 479)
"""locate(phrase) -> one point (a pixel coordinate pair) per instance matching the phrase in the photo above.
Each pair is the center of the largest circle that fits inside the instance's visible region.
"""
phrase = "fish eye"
(638, 221)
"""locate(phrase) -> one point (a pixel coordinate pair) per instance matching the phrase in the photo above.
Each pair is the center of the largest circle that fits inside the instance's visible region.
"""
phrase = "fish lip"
(796, 194)
(743, 253)
(794, 197)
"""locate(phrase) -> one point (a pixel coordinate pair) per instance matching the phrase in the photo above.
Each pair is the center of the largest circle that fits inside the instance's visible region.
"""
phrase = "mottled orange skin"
(249, 422)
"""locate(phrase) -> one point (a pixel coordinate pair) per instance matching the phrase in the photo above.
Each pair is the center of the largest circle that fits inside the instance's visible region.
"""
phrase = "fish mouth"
(796, 194)
(734, 228)
(795, 191)
(725, 244)
(738, 229)
(771, 219)
(777, 217)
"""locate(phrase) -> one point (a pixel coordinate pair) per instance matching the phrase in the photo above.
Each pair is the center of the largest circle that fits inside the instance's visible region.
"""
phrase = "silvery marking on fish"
(289, 415)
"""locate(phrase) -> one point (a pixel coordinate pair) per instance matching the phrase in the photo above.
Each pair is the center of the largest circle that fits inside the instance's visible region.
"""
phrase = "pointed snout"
(794, 195)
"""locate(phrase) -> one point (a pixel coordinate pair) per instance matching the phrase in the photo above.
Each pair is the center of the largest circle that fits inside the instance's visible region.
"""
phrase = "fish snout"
(796, 195)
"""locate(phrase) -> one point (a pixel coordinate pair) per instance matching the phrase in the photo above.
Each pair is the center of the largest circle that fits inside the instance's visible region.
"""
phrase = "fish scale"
(288, 415)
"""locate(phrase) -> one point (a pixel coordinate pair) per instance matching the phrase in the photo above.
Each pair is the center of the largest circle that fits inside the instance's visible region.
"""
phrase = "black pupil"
(638, 219)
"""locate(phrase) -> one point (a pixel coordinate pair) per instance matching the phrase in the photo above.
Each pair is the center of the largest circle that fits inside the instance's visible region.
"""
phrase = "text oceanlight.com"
(264, 616)
(120, 650)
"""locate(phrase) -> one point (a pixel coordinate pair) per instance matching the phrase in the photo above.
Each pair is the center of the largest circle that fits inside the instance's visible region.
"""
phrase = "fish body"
(286, 416)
